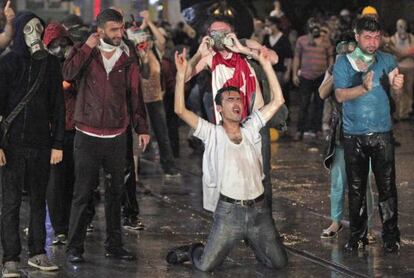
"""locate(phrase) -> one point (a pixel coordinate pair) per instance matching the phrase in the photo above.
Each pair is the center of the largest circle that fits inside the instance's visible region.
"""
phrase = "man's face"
(112, 32)
(368, 41)
(231, 106)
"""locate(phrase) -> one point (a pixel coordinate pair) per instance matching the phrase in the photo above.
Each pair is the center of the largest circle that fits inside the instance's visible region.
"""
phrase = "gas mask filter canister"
(33, 37)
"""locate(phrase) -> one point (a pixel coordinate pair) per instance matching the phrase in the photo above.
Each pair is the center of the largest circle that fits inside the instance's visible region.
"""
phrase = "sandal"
(326, 234)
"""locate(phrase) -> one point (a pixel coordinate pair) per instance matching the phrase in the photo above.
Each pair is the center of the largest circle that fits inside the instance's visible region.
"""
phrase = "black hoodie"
(41, 123)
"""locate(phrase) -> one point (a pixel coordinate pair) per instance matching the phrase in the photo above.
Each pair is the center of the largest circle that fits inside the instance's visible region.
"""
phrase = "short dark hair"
(275, 21)
(367, 23)
(228, 20)
(218, 99)
(108, 15)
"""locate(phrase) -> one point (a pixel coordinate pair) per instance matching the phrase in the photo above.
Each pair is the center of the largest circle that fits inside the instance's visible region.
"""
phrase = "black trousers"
(130, 207)
(90, 153)
(24, 166)
(60, 189)
(309, 98)
(358, 150)
(158, 121)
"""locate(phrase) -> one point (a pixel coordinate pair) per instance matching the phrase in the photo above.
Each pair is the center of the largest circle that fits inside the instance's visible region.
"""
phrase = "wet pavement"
(171, 209)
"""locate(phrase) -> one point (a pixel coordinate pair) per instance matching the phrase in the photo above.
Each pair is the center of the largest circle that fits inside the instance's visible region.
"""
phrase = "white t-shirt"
(242, 179)
(215, 141)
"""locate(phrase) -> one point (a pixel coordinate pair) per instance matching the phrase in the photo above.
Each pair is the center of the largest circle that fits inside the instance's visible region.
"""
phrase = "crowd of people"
(81, 102)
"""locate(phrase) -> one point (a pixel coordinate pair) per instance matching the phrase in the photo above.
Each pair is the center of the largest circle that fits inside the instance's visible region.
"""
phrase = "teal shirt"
(371, 112)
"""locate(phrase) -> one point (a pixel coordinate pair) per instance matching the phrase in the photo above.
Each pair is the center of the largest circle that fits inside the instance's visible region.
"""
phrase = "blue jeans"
(233, 223)
(338, 184)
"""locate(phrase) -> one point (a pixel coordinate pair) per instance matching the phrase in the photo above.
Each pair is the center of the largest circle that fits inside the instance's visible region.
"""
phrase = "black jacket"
(41, 123)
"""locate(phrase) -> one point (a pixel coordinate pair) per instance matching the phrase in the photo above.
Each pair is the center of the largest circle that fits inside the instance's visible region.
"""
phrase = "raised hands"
(397, 81)
(8, 12)
(181, 61)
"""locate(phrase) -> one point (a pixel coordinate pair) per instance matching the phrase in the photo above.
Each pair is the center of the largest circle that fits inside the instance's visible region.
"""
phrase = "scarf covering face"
(360, 61)
(242, 78)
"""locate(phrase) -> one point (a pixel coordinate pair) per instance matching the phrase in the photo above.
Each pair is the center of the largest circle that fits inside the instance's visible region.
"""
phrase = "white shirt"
(243, 179)
(214, 138)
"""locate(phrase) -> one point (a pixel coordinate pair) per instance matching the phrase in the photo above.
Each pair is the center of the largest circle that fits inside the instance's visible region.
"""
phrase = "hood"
(19, 45)
(54, 31)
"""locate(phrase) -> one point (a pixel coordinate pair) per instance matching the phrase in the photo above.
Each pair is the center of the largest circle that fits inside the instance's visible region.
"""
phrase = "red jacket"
(101, 105)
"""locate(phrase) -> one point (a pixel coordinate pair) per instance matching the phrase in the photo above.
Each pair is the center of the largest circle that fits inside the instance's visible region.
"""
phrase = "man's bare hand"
(296, 80)
(143, 140)
(93, 40)
(205, 48)
(237, 47)
(9, 13)
(181, 61)
(56, 156)
(367, 83)
(2, 158)
(398, 80)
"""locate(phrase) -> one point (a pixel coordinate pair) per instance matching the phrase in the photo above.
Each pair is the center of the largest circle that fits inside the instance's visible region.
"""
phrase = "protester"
(232, 176)
(367, 127)
(31, 142)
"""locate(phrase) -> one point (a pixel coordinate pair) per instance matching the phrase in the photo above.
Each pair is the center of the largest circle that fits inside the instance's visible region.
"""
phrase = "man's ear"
(100, 31)
(219, 108)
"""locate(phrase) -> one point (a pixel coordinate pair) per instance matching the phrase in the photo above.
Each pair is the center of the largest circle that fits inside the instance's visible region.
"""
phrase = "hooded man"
(60, 189)
(34, 138)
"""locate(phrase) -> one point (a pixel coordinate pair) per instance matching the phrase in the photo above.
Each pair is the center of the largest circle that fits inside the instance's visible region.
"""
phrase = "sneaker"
(60, 239)
(120, 253)
(42, 262)
(133, 224)
(10, 269)
(90, 228)
(352, 246)
(170, 173)
(391, 246)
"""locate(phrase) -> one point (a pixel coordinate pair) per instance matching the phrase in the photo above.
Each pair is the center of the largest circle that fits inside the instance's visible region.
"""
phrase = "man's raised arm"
(276, 96)
(179, 104)
(199, 61)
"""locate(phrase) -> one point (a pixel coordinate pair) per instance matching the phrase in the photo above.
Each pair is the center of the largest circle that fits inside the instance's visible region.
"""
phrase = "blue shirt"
(370, 112)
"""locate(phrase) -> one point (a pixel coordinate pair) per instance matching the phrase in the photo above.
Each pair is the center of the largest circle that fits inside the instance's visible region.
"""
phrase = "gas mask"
(402, 28)
(140, 38)
(360, 61)
(60, 48)
(33, 37)
(220, 40)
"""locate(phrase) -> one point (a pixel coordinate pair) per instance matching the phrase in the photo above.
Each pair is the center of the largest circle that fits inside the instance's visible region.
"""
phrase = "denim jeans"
(359, 149)
(90, 154)
(266, 156)
(24, 166)
(158, 121)
(308, 92)
(233, 223)
(338, 184)
(60, 188)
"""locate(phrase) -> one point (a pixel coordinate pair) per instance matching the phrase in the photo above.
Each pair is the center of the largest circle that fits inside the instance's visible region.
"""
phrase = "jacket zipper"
(25, 107)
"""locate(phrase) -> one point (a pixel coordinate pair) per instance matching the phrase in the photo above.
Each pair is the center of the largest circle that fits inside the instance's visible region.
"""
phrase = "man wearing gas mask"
(231, 64)
(152, 89)
(108, 101)
(313, 56)
(402, 41)
(31, 141)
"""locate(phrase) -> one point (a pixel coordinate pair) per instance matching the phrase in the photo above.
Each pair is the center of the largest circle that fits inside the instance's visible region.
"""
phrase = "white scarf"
(106, 47)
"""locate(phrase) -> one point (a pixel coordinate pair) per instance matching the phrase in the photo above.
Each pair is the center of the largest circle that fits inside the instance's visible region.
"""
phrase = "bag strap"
(5, 124)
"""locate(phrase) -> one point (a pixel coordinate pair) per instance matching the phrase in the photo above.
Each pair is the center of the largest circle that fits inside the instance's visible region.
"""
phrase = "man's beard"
(110, 41)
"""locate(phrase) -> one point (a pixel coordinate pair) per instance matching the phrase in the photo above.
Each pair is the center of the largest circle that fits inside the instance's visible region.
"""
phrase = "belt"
(243, 203)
